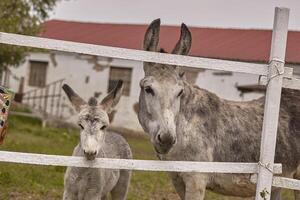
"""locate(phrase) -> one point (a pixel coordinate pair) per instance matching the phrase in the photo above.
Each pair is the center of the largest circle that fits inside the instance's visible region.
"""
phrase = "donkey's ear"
(151, 37)
(184, 43)
(75, 99)
(113, 97)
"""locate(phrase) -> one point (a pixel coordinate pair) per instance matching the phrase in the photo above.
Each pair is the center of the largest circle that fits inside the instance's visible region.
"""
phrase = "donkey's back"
(240, 126)
(234, 132)
(288, 142)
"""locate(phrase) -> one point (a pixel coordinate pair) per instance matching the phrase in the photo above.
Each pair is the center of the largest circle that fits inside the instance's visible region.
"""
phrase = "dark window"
(37, 73)
(120, 73)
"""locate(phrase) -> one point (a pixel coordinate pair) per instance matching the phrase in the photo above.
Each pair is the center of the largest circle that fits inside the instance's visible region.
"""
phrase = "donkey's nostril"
(166, 139)
(159, 138)
(91, 153)
(174, 141)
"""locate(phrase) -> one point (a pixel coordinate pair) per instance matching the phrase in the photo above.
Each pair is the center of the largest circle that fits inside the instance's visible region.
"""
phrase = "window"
(37, 73)
(120, 73)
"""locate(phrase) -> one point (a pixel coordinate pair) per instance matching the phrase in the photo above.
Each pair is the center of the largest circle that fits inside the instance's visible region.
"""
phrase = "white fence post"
(272, 104)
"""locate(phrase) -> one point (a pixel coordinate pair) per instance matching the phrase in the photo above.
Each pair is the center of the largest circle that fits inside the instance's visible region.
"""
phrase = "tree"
(21, 17)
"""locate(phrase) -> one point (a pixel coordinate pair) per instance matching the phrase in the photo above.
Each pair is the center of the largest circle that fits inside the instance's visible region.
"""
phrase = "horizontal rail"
(47, 85)
(292, 83)
(138, 55)
(39, 97)
(281, 182)
(149, 165)
(288, 183)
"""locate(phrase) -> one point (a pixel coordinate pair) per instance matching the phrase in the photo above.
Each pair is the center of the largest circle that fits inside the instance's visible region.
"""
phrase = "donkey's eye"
(103, 127)
(149, 90)
(96, 119)
(80, 126)
(180, 93)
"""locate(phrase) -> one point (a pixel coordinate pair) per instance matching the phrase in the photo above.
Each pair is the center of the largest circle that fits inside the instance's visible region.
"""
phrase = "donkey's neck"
(196, 125)
(199, 102)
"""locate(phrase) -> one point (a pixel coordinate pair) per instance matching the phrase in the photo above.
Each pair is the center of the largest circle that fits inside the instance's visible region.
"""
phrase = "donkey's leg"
(69, 195)
(297, 176)
(276, 194)
(119, 192)
(195, 186)
(178, 183)
(104, 197)
(93, 195)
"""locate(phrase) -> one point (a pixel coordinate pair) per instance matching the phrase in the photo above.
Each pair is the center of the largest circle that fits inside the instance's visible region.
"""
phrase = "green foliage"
(21, 17)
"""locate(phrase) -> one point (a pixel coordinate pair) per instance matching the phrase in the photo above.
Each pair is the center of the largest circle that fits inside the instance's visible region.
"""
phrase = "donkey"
(90, 183)
(188, 123)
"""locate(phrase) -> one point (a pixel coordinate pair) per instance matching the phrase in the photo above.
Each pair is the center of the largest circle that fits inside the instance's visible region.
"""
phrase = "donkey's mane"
(92, 101)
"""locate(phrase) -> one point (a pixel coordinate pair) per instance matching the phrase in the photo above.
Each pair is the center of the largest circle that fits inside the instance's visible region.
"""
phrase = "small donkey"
(192, 124)
(90, 183)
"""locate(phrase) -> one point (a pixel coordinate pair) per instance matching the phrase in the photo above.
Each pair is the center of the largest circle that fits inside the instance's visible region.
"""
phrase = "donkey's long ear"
(151, 37)
(75, 99)
(113, 97)
(183, 46)
(184, 43)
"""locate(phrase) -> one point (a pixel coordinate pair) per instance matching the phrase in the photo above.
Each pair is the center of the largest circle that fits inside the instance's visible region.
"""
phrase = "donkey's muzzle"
(166, 139)
(165, 143)
(90, 155)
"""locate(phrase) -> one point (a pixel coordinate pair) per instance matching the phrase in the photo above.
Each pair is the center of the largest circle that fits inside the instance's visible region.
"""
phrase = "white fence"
(276, 77)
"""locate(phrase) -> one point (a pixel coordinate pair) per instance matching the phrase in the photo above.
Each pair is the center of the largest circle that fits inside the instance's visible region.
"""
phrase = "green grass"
(19, 108)
(43, 182)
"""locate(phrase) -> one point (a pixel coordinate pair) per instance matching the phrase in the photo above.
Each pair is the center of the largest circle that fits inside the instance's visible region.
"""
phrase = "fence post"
(52, 98)
(46, 99)
(34, 98)
(272, 104)
(59, 97)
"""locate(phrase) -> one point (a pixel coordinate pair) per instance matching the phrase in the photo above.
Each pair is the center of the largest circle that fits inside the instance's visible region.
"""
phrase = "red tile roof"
(232, 44)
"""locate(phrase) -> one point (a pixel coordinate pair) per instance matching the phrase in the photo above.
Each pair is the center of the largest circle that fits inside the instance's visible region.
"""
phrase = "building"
(95, 76)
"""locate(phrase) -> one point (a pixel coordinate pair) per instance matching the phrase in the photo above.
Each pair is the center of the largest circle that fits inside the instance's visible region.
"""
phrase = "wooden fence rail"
(138, 55)
(146, 165)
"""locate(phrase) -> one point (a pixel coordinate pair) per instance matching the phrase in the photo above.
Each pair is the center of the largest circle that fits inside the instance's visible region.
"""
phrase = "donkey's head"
(93, 118)
(161, 91)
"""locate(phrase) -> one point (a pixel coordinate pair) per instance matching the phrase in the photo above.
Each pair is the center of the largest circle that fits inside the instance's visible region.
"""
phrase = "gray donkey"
(91, 183)
(192, 124)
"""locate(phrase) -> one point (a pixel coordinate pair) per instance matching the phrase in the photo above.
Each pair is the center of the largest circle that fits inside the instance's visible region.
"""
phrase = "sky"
(200, 13)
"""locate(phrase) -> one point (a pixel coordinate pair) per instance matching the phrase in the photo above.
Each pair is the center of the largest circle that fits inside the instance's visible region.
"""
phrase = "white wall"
(225, 86)
(74, 68)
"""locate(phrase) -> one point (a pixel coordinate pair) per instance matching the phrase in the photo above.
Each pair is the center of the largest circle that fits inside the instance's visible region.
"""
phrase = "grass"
(16, 107)
(43, 182)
